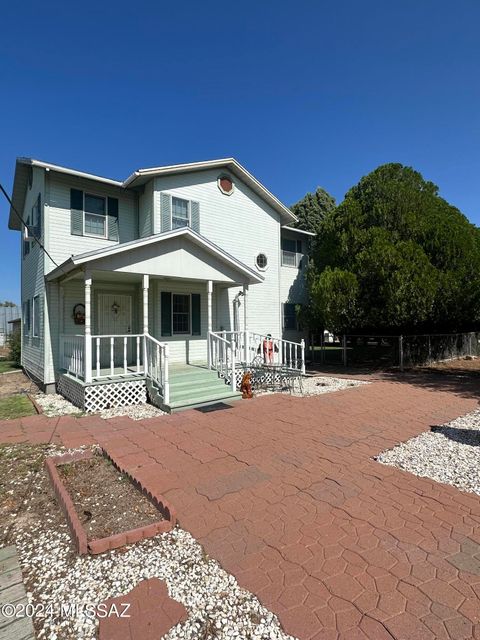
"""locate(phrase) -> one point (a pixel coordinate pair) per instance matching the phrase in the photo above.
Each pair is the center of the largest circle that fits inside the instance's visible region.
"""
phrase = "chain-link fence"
(383, 351)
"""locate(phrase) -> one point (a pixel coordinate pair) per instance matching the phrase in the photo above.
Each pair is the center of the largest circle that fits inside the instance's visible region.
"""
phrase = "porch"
(131, 316)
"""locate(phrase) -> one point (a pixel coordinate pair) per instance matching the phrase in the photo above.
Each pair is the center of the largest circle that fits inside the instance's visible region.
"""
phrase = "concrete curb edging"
(115, 541)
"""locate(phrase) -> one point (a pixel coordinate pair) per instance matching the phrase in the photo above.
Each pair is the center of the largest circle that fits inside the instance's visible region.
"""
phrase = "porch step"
(203, 400)
(196, 386)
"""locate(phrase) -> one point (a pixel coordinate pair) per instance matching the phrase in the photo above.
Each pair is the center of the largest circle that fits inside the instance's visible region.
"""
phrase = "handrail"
(157, 364)
(117, 355)
(248, 343)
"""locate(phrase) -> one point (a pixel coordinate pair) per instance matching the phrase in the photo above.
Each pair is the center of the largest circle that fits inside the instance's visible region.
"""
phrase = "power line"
(26, 226)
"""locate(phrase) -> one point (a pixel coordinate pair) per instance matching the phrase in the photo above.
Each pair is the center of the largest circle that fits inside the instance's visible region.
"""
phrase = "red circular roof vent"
(225, 184)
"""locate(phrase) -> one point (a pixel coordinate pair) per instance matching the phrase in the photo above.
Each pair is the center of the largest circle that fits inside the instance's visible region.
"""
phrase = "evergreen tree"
(395, 256)
(312, 209)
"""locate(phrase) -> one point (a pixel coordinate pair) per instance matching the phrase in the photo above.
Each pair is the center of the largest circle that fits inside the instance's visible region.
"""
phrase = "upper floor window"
(36, 316)
(95, 219)
(93, 215)
(261, 261)
(291, 252)
(26, 241)
(180, 213)
(26, 318)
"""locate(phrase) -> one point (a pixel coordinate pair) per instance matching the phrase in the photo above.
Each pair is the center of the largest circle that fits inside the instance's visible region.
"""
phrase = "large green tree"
(312, 209)
(395, 256)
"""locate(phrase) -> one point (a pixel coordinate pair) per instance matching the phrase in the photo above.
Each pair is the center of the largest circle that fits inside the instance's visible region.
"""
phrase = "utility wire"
(40, 244)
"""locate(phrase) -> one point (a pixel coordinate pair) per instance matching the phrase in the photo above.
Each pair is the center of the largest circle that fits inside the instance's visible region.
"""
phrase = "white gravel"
(316, 385)
(134, 411)
(449, 454)
(57, 576)
(313, 386)
(53, 404)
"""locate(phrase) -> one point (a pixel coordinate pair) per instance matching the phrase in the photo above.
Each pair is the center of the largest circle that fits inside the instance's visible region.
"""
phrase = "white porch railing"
(116, 356)
(156, 358)
(277, 351)
(221, 356)
(71, 354)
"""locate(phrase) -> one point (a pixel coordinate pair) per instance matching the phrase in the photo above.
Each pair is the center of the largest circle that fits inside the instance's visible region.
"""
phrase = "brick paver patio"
(284, 493)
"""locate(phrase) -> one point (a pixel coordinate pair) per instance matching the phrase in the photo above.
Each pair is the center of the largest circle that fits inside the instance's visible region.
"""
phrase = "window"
(93, 216)
(26, 243)
(180, 313)
(26, 318)
(95, 223)
(289, 316)
(180, 213)
(36, 218)
(291, 250)
(36, 317)
(261, 261)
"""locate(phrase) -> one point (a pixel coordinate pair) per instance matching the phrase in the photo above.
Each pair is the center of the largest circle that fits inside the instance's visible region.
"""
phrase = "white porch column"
(246, 335)
(209, 321)
(145, 303)
(146, 283)
(88, 328)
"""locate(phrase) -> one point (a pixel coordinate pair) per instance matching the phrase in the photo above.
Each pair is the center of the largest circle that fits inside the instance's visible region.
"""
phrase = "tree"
(312, 209)
(409, 259)
(15, 345)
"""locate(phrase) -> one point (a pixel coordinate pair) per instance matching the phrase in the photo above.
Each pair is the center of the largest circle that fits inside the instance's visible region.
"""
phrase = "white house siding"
(61, 242)
(145, 212)
(33, 282)
(293, 285)
(243, 225)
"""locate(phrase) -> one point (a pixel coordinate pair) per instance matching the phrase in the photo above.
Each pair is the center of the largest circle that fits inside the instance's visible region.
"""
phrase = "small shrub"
(15, 344)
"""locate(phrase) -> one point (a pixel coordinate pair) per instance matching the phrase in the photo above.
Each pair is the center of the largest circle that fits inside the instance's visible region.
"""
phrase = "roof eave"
(306, 233)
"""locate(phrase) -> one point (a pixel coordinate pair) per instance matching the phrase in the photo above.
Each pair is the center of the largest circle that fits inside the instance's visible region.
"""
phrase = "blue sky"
(302, 93)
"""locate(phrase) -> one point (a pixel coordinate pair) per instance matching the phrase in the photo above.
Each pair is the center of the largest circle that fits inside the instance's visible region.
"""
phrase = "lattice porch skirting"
(109, 395)
(259, 379)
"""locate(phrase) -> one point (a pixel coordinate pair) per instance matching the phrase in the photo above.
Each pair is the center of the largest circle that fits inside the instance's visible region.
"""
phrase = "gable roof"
(91, 256)
(141, 176)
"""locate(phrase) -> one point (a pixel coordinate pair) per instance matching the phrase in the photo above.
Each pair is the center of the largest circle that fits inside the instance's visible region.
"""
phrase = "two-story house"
(166, 284)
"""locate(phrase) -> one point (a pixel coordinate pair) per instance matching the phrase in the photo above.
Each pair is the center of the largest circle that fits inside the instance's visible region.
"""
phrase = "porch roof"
(180, 253)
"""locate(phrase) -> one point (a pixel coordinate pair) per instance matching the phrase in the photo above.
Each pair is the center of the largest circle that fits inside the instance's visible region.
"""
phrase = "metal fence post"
(400, 351)
(344, 348)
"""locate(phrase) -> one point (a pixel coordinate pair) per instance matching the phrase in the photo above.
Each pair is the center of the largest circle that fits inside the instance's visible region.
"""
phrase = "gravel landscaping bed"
(315, 385)
(53, 404)
(134, 411)
(56, 405)
(54, 575)
(449, 453)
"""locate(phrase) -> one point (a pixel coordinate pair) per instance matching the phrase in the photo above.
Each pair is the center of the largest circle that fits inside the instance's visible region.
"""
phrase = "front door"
(114, 318)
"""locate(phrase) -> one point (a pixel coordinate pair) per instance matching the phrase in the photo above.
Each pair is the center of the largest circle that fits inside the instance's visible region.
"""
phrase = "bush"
(15, 344)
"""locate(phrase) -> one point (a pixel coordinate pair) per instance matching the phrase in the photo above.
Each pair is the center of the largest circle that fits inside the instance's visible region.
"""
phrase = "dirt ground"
(11, 383)
(4, 352)
(467, 365)
(105, 500)
(24, 482)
